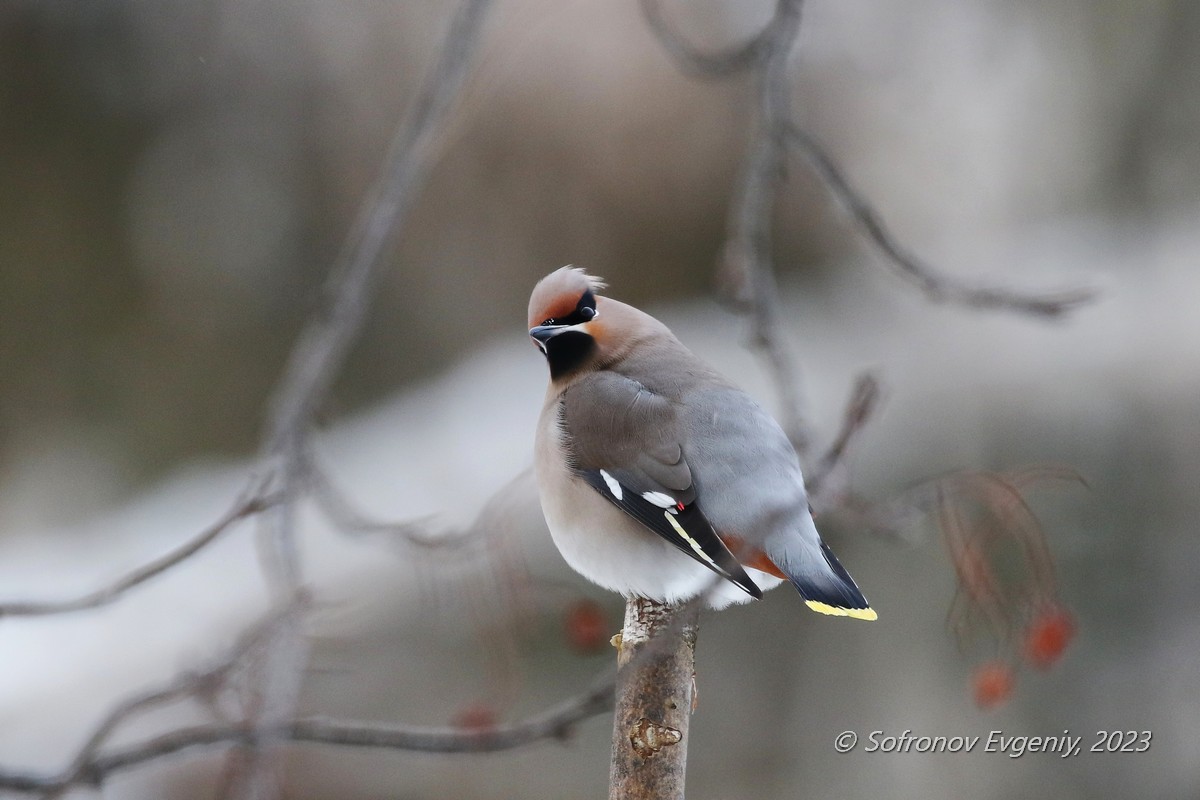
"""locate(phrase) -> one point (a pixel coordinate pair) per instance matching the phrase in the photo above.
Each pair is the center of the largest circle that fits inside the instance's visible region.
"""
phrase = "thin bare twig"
(697, 62)
(863, 400)
(333, 503)
(317, 358)
(79, 769)
(279, 661)
(747, 274)
(191, 685)
(555, 723)
(323, 345)
(938, 287)
(248, 505)
(91, 767)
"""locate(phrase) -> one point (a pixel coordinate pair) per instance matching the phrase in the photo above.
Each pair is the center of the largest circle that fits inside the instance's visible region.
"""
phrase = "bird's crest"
(557, 294)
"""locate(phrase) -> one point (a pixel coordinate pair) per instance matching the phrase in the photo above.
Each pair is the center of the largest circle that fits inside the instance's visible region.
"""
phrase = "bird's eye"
(587, 313)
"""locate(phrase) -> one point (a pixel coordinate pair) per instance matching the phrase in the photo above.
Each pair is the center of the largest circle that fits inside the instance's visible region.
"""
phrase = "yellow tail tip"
(857, 613)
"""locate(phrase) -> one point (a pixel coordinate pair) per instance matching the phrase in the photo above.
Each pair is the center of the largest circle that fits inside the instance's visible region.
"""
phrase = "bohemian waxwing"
(645, 456)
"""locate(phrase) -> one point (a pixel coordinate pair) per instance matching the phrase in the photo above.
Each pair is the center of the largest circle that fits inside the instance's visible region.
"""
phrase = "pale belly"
(610, 548)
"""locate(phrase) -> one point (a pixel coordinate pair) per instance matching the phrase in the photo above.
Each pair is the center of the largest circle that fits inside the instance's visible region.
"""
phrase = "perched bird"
(656, 472)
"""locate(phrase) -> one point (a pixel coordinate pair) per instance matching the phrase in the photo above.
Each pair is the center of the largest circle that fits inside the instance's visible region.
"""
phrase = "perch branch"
(655, 692)
(657, 655)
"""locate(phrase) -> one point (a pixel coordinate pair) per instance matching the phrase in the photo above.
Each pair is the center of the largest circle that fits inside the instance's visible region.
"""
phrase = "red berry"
(1048, 636)
(586, 627)
(994, 682)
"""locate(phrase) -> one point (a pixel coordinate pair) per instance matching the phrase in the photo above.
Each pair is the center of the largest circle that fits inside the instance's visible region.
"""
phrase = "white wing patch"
(612, 484)
(659, 499)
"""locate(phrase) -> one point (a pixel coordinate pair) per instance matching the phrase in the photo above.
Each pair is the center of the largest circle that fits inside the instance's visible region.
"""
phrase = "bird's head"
(564, 320)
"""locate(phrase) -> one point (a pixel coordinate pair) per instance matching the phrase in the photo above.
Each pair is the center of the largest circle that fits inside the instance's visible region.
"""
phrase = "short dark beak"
(544, 333)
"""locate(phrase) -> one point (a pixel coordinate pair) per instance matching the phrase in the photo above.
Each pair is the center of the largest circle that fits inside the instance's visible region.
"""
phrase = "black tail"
(829, 589)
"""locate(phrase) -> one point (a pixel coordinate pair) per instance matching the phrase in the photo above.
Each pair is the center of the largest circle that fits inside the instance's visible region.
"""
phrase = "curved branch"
(246, 506)
(696, 62)
(337, 508)
(936, 286)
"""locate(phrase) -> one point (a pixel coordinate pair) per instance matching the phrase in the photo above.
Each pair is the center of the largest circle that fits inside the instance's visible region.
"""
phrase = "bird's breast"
(603, 543)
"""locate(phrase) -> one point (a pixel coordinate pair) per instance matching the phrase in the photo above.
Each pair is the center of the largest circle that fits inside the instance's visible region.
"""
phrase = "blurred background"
(177, 177)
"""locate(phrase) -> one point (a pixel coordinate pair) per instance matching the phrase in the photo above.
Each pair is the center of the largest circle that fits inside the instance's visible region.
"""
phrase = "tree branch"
(278, 660)
(863, 400)
(936, 286)
(694, 61)
(323, 345)
(417, 532)
(318, 356)
(204, 686)
(655, 692)
(747, 274)
(247, 506)
(557, 723)
(657, 654)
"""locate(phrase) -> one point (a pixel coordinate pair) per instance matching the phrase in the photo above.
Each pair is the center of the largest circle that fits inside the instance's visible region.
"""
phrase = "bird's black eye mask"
(585, 311)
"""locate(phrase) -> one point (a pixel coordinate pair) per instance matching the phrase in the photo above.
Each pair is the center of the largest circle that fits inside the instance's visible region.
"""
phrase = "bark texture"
(656, 658)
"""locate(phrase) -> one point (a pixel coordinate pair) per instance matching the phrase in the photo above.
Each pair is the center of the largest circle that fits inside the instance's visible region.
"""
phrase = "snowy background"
(178, 177)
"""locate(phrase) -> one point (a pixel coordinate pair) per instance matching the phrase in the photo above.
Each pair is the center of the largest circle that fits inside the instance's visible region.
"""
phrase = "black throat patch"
(568, 351)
